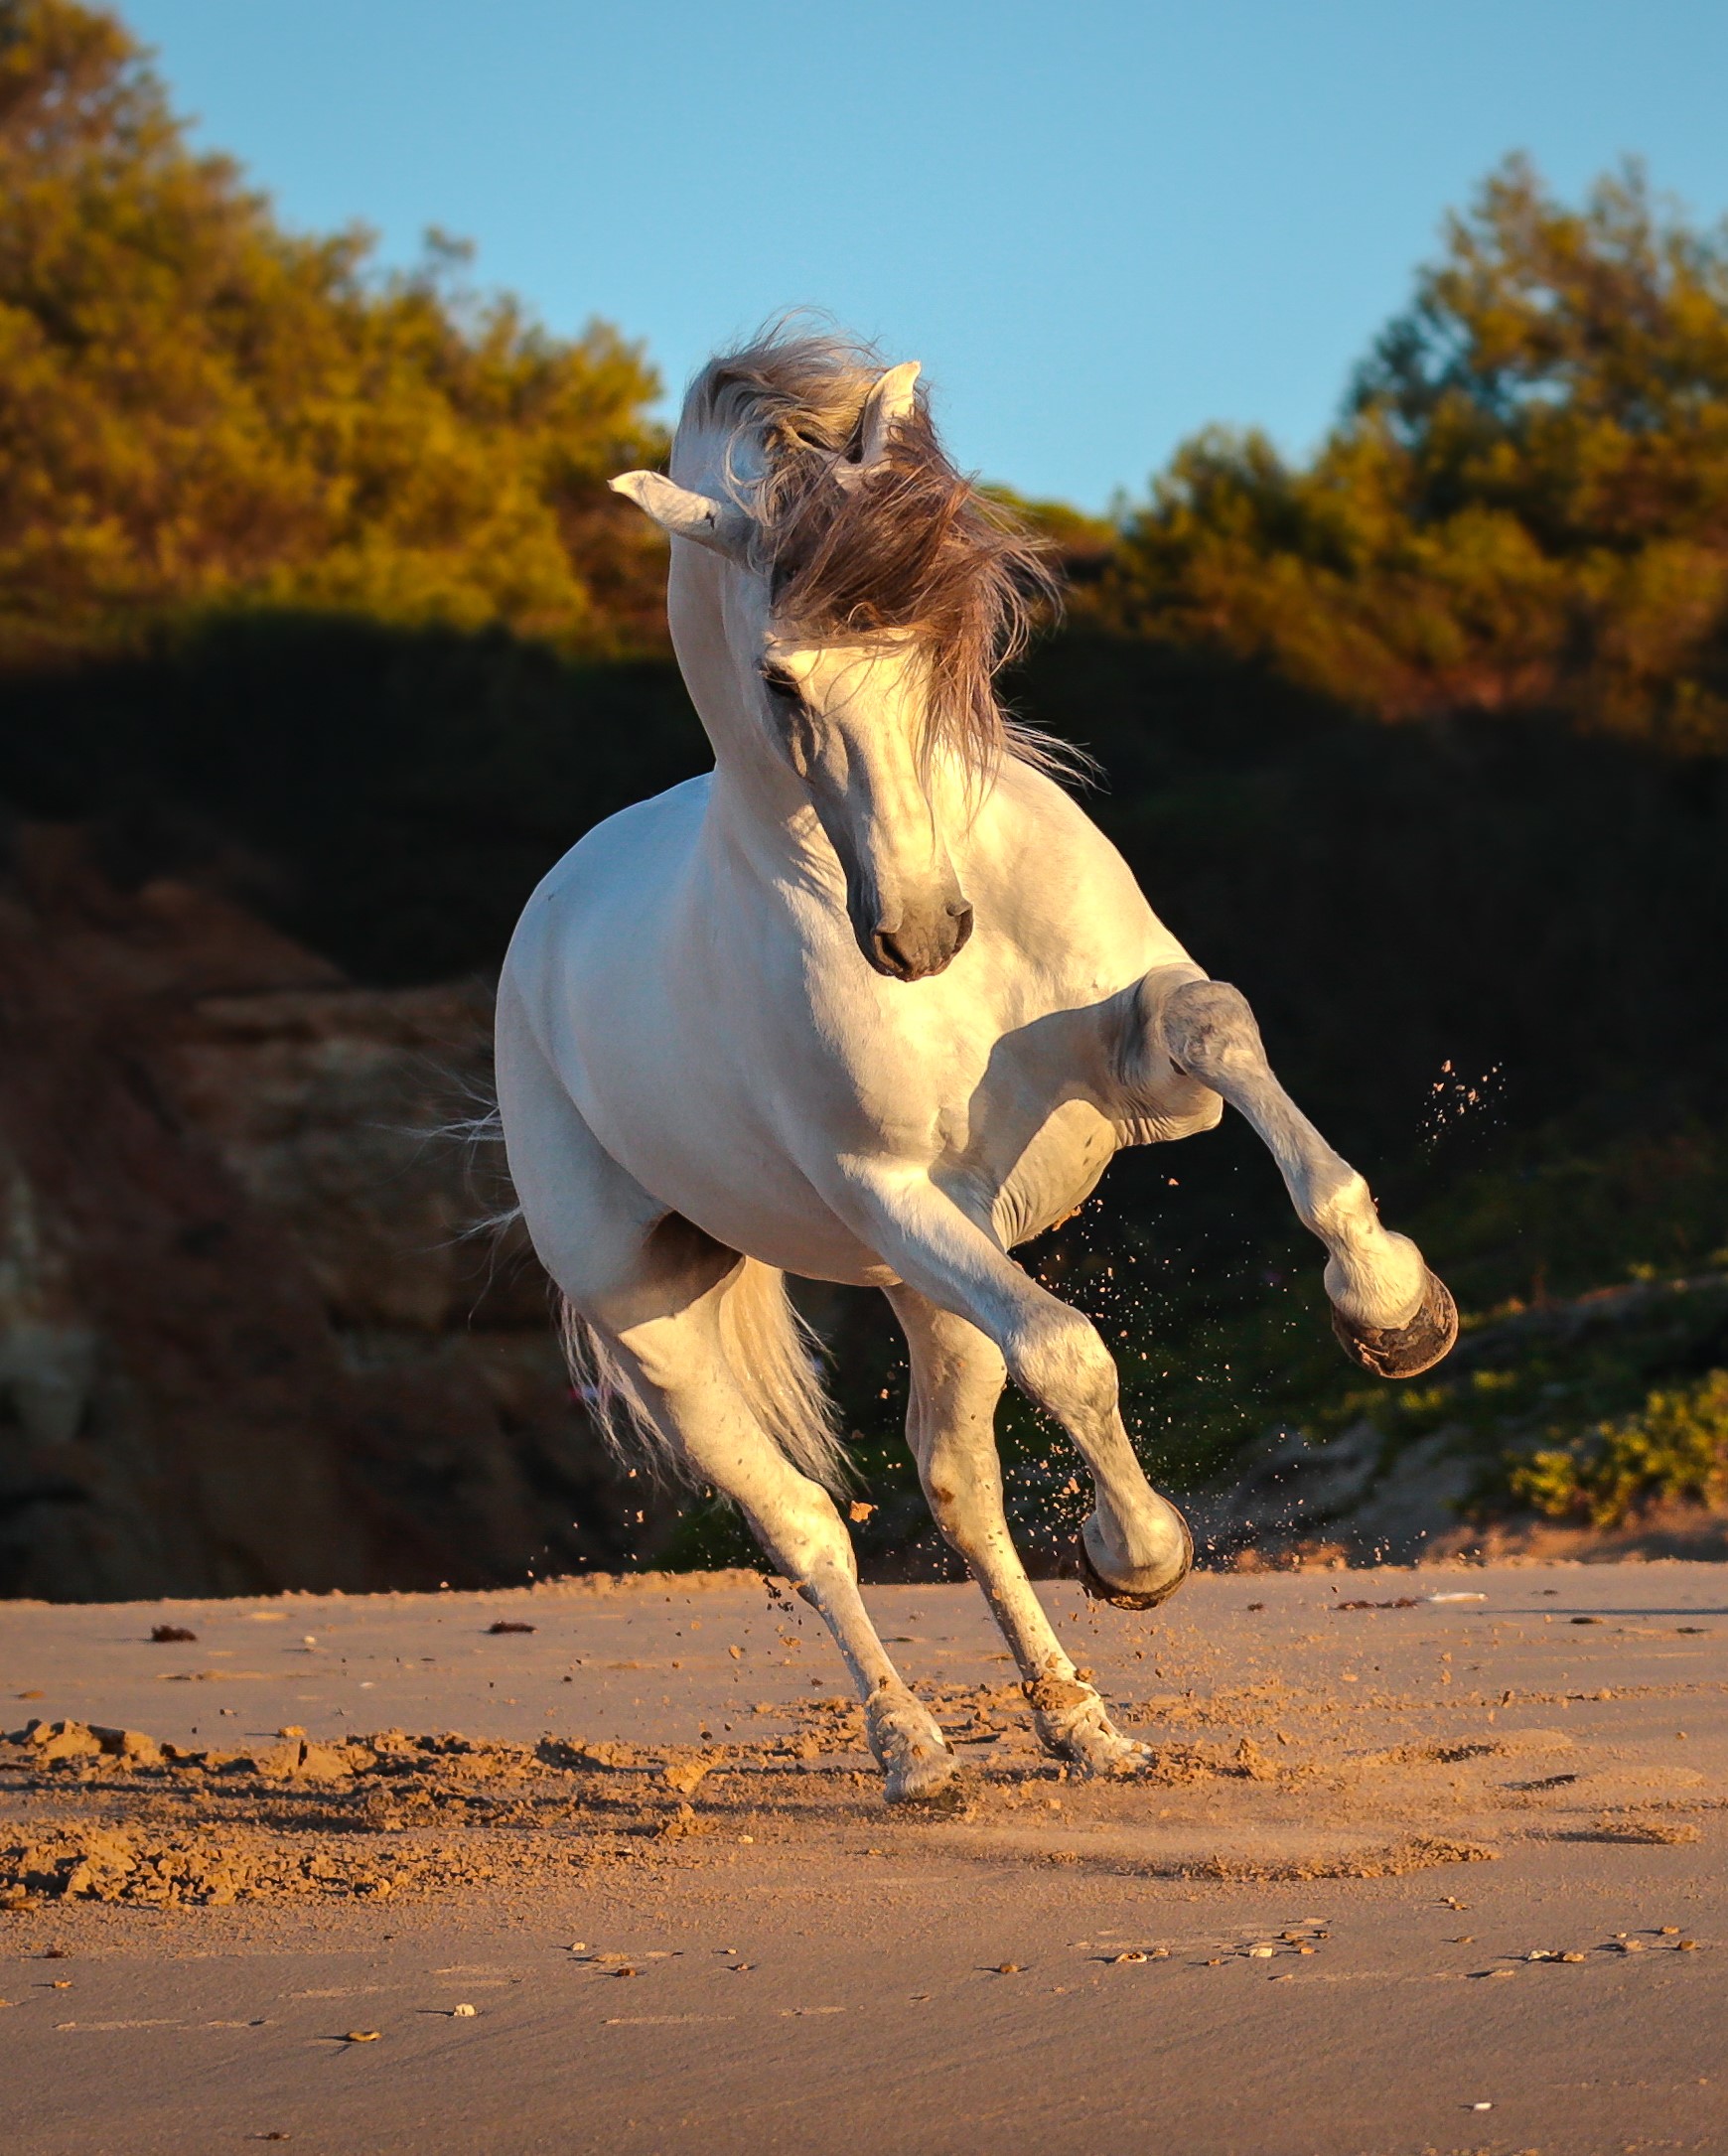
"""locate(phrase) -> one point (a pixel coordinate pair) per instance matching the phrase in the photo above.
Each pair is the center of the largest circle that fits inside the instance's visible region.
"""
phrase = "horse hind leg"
(958, 1376)
(702, 1352)
(683, 1379)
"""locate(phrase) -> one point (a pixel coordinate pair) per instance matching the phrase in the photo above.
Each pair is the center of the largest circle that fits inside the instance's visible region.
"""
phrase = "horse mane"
(910, 545)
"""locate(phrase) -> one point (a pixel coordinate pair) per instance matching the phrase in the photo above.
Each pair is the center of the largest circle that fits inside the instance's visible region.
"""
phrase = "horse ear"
(891, 400)
(682, 515)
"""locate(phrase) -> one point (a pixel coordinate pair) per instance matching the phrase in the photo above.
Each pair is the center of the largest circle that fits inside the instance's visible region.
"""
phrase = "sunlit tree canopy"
(200, 410)
(1525, 505)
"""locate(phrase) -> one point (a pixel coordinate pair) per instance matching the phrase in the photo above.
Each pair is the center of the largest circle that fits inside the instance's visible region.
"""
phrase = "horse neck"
(756, 814)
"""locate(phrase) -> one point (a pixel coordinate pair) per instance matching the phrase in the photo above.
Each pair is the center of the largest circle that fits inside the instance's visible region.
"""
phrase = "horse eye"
(781, 686)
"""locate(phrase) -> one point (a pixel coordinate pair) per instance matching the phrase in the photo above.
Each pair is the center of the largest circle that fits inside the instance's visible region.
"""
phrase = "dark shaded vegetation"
(388, 795)
(311, 592)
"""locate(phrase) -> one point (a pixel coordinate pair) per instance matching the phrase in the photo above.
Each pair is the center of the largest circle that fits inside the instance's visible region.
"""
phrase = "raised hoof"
(1125, 1597)
(1408, 1349)
(909, 1749)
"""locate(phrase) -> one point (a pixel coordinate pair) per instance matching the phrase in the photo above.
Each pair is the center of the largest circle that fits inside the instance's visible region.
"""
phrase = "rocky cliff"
(248, 1340)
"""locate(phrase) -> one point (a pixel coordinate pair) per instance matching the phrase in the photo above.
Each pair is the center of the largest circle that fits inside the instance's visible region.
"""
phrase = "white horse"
(873, 1001)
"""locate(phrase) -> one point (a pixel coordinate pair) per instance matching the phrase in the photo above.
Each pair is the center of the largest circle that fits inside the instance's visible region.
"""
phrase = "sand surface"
(642, 1844)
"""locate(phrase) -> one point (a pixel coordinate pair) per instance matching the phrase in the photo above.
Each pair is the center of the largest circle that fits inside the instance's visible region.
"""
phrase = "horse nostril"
(891, 956)
(961, 917)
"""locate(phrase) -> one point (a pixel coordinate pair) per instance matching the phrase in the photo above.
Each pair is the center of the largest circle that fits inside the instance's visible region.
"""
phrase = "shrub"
(1675, 1446)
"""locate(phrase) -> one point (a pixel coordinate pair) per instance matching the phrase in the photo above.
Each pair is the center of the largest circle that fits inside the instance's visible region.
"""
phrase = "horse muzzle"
(919, 943)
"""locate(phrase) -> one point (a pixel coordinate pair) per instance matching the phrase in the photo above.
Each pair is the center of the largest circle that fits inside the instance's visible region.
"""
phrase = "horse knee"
(1063, 1364)
(1210, 1029)
(965, 1522)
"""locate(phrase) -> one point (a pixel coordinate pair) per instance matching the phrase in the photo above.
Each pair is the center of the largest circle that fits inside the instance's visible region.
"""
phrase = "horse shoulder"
(1060, 881)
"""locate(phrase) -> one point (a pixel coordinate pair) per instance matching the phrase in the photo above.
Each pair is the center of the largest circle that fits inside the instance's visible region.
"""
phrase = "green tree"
(1525, 505)
(199, 410)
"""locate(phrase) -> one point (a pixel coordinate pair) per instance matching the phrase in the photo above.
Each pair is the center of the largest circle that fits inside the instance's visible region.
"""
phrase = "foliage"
(1674, 1447)
(1525, 505)
(199, 410)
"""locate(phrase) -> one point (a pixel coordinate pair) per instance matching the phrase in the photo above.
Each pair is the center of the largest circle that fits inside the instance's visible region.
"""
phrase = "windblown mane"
(910, 545)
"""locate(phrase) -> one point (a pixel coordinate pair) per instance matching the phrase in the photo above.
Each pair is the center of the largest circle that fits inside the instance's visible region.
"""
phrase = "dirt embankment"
(1421, 1472)
(243, 1343)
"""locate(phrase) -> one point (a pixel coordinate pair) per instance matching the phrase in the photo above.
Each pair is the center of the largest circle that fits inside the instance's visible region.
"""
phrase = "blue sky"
(1098, 226)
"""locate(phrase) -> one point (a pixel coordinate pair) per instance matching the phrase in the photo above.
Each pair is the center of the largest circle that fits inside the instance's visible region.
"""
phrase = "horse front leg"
(1135, 1543)
(956, 1379)
(1390, 1312)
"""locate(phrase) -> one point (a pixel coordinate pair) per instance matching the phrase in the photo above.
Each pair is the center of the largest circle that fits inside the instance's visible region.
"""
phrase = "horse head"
(839, 606)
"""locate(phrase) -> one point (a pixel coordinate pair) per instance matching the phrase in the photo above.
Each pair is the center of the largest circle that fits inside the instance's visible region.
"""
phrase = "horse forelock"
(909, 545)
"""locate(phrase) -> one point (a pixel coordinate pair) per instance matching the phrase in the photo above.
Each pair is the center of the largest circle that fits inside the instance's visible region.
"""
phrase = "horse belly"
(771, 1214)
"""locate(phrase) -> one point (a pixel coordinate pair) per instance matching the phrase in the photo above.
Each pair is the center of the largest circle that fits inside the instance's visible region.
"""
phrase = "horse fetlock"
(1074, 1724)
(906, 1744)
(1376, 1280)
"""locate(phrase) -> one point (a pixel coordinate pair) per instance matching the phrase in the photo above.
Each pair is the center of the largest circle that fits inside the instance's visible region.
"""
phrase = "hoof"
(909, 1749)
(1128, 1598)
(1410, 1349)
(928, 1781)
(1071, 1722)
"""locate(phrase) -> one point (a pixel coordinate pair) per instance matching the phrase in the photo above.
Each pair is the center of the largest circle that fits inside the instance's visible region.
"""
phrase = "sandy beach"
(1425, 1860)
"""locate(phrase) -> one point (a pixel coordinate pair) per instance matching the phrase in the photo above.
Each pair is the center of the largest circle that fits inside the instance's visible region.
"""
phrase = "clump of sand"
(94, 1813)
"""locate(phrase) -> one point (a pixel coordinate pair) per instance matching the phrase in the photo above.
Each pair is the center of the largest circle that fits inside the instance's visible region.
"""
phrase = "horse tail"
(775, 1360)
(607, 1392)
